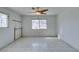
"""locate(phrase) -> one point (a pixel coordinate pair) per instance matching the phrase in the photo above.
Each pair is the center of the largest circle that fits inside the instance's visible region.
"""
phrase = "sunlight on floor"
(50, 38)
(38, 44)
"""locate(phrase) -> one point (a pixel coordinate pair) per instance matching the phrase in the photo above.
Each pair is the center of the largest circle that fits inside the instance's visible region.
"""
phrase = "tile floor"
(38, 44)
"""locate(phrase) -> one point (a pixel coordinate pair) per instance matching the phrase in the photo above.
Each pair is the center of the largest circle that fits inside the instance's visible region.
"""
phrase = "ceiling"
(28, 10)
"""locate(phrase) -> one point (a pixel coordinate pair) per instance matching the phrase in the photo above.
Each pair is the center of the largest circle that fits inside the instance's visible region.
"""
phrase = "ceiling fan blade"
(44, 10)
(39, 10)
(43, 13)
(33, 8)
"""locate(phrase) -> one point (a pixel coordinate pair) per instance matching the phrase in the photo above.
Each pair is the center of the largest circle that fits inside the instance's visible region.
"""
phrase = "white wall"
(50, 31)
(68, 22)
(7, 34)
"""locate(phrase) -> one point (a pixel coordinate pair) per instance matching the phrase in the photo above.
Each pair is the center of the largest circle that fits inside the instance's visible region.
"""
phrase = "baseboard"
(76, 50)
(8, 44)
(17, 38)
(39, 36)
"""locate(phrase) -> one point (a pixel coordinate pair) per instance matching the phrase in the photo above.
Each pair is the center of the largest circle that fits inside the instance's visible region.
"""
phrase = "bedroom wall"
(68, 23)
(51, 26)
(7, 34)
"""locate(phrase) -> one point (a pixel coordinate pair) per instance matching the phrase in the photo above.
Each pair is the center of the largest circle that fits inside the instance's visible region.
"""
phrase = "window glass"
(39, 24)
(35, 24)
(3, 20)
(43, 24)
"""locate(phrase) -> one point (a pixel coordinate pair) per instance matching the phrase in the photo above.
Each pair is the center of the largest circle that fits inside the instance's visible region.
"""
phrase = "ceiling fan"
(39, 10)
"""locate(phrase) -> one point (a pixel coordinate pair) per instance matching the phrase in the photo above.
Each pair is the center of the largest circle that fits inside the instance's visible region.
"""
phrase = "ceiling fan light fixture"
(37, 13)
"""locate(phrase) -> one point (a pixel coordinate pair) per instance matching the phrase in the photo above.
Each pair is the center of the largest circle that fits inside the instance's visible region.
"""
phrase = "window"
(43, 24)
(3, 20)
(39, 24)
(35, 24)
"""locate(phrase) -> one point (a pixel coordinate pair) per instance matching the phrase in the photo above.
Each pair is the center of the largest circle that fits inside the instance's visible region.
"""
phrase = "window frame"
(7, 20)
(39, 25)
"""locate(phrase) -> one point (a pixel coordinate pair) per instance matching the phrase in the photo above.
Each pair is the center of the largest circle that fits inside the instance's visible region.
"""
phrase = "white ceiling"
(28, 10)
